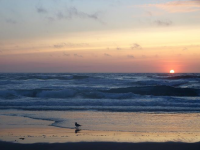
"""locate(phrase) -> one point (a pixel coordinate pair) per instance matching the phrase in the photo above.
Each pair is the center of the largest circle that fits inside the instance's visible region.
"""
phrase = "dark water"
(101, 92)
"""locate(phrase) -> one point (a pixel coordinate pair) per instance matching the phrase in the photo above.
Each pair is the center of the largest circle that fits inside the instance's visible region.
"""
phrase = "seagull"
(77, 125)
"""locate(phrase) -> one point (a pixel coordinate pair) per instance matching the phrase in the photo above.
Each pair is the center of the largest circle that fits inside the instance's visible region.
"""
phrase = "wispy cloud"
(143, 56)
(77, 55)
(69, 13)
(73, 12)
(107, 55)
(50, 19)
(62, 45)
(136, 46)
(178, 6)
(130, 56)
(149, 13)
(163, 23)
(41, 10)
(185, 49)
(115, 3)
(118, 48)
(11, 21)
(65, 54)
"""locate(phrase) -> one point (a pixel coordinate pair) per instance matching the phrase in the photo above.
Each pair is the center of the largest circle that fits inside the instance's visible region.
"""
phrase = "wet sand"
(26, 133)
(52, 134)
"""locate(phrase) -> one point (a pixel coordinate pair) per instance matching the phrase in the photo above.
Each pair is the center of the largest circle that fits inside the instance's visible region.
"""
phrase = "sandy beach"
(61, 135)
(49, 137)
(20, 129)
(59, 138)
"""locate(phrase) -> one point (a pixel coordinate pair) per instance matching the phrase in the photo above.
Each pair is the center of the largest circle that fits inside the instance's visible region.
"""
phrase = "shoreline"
(30, 131)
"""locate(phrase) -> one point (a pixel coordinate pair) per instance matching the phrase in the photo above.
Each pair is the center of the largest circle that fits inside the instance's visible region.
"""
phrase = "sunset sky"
(99, 35)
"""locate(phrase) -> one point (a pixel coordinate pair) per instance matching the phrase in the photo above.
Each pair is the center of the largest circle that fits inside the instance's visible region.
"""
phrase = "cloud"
(62, 45)
(118, 48)
(179, 55)
(77, 55)
(68, 13)
(115, 3)
(107, 55)
(73, 12)
(156, 56)
(143, 56)
(149, 13)
(41, 10)
(60, 15)
(136, 46)
(185, 49)
(130, 56)
(178, 6)
(162, 23)
(50, 19)
(65, 54)
(11, 21)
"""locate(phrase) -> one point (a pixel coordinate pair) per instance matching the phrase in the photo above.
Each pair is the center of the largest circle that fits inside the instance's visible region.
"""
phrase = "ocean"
(103, 101)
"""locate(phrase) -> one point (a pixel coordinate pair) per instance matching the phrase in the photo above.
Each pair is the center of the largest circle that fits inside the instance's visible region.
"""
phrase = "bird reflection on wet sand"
(77, 130)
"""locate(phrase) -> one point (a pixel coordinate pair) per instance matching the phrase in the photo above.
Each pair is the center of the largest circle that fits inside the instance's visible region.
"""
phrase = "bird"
(77, 125)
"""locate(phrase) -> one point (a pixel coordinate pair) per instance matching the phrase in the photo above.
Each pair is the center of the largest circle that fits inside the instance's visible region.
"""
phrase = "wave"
(103, 103)
(40, 93)
(160, 82)
(94, 93)
(183, 77)
(109, 109)
(43, 77)
(8, 82)
(66, 93)
(156, 91)
(137, 103)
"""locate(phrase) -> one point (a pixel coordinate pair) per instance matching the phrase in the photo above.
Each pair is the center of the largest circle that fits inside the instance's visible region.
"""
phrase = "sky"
(146, 36)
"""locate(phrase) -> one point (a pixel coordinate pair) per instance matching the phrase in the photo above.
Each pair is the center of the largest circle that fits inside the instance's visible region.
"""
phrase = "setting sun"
(172, 71)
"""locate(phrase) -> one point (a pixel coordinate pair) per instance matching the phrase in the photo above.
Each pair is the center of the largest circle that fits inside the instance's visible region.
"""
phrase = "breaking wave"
(157, 91)
(113, 93)
(183, 77)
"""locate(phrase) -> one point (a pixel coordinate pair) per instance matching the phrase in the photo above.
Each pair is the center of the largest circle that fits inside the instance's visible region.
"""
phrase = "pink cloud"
(178, 6)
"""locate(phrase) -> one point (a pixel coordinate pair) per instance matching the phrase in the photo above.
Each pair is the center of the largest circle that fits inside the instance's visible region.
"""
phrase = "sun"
(172, 71)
